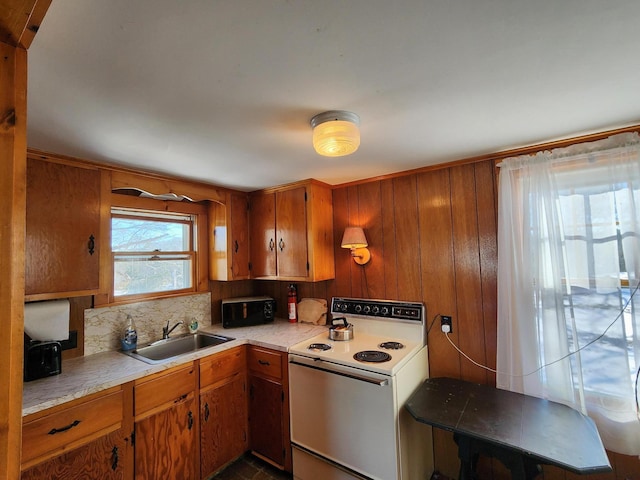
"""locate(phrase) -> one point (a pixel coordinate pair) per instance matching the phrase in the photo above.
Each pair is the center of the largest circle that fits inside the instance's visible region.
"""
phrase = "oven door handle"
(374, 381)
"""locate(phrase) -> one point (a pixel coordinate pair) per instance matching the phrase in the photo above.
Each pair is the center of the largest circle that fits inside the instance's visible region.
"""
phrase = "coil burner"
(319, 347)
(372, 356)
(391, 345)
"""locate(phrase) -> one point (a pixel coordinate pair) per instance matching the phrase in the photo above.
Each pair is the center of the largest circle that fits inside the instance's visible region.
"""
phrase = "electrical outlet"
(445, 322)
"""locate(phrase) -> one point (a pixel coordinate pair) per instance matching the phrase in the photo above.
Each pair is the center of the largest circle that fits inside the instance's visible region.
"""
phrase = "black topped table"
(519, 430)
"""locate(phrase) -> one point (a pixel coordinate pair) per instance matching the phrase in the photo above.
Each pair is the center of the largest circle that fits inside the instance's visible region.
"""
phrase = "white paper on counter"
(47, 320)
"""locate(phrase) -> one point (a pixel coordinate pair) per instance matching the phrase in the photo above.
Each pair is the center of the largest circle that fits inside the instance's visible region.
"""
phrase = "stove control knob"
(375, 310)
(385, 310)
(344, 307)
(358, 308)
(337, 306)
(367, 309)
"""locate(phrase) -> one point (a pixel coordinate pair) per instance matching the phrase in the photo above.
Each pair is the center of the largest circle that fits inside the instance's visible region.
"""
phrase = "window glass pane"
(152, 252)
(598, 291)
(141, 275)
(145, 235)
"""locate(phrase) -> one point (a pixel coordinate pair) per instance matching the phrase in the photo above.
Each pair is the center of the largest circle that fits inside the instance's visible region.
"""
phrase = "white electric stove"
(347, 396)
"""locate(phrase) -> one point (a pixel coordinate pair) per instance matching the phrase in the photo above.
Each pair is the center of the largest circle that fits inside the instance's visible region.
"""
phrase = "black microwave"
(247, 311)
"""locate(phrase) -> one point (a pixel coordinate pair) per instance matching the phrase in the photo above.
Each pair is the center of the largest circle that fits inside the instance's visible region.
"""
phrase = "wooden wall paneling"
(438, 283)
(407, 238)
(356, 276)
(625, 466)
(370, 214)
(390, 259)
(438, 274)
(13, 164)
(488, 242)
(468, 328)
(342, 285)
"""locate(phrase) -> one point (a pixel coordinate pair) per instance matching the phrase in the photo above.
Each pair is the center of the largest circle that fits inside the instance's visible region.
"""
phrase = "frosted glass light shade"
(336, 133)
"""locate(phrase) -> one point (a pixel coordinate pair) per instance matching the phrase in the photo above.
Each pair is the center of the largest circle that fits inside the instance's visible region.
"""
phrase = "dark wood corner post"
(19, 21)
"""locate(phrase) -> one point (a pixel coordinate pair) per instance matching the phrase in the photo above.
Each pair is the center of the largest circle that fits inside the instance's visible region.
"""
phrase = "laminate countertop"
(93, 373)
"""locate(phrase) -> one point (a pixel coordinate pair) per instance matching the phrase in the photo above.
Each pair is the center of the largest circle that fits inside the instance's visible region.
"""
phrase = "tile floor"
(249, 467)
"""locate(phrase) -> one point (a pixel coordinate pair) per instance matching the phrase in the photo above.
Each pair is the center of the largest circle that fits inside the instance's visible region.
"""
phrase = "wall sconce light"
(355, 240)
(336, 133)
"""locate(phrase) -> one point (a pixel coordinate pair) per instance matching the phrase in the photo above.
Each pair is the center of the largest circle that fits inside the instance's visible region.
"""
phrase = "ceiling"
(223, 91)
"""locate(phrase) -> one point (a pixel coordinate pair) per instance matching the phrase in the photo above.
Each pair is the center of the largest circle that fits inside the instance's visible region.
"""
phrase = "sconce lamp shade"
(356, 241)
(336, 133)
(354, 237)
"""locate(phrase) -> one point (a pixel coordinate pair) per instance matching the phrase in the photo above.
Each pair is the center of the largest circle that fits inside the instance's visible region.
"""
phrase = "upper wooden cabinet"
(291, 232)
(229, 238)
(62, 250)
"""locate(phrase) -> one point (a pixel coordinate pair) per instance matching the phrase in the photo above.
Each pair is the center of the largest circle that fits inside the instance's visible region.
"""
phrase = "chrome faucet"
(166, 330)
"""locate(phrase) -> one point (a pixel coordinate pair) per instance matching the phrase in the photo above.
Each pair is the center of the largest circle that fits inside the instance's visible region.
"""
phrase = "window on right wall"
(568, 272)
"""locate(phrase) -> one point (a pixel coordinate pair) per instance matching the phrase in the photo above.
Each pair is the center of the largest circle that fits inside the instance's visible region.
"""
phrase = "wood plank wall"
(432, 238)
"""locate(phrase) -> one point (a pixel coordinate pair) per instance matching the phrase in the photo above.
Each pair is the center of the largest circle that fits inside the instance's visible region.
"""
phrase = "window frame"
(199, 242)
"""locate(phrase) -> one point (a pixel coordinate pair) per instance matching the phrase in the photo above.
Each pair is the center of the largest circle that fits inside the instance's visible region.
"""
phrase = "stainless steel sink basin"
(163, 350)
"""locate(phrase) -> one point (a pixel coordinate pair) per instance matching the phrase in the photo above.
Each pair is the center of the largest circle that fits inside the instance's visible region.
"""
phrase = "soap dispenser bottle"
(130, 337)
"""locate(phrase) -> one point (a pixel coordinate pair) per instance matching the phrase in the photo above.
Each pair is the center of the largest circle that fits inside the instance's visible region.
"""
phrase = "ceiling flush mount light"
(336, 133)
(355, 240)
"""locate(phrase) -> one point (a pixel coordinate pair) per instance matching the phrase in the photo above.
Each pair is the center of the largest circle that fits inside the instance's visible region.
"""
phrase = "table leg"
(521, 467)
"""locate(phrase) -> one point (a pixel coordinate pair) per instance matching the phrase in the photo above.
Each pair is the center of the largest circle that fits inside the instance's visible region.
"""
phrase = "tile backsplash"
(103, 327)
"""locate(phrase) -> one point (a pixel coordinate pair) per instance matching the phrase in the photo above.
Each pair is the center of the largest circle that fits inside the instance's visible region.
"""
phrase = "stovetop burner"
(372, 356)
(391, 345)
(319, 347)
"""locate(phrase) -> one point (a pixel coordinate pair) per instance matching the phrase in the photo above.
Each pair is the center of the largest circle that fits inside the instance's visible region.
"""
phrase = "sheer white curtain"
(568, 268)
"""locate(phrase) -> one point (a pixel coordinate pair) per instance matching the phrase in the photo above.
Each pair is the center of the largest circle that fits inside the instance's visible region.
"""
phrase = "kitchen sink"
(163, 350)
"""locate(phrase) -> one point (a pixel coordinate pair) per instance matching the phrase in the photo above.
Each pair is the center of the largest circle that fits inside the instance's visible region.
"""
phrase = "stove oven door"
(344, 415)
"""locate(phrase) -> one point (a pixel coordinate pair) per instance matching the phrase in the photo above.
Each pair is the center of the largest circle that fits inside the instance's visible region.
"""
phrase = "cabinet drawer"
(222, 365)
(71, 427)
(265, 362)
(162, 388)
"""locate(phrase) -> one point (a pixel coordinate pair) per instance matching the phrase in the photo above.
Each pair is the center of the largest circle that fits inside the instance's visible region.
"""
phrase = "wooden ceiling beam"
(20, 20)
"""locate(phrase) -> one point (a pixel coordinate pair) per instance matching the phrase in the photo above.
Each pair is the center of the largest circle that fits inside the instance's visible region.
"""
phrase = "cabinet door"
(291, 230)
(223, 424)
(165, 443)
(62, 229)
(266, 398)
(239, 236)
(263, 235)
(103, 458)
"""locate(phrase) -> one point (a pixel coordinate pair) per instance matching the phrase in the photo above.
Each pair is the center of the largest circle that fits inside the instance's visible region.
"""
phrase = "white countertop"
(86, 375)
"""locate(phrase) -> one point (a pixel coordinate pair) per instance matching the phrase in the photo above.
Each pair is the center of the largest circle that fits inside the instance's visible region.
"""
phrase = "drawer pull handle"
(180, 398)
(91, 244)
(281, 245)
(236, 246)
(190, 420)
(114, 458)
(206, 411)
(271, 244)
(53, 431)
(263, 362)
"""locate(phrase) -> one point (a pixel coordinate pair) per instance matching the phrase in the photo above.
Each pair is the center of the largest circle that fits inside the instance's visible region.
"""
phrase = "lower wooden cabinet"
(223, 410)
(166, 428)
(82, 439)
(269, 406)
(186, 422)
(103, 458)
